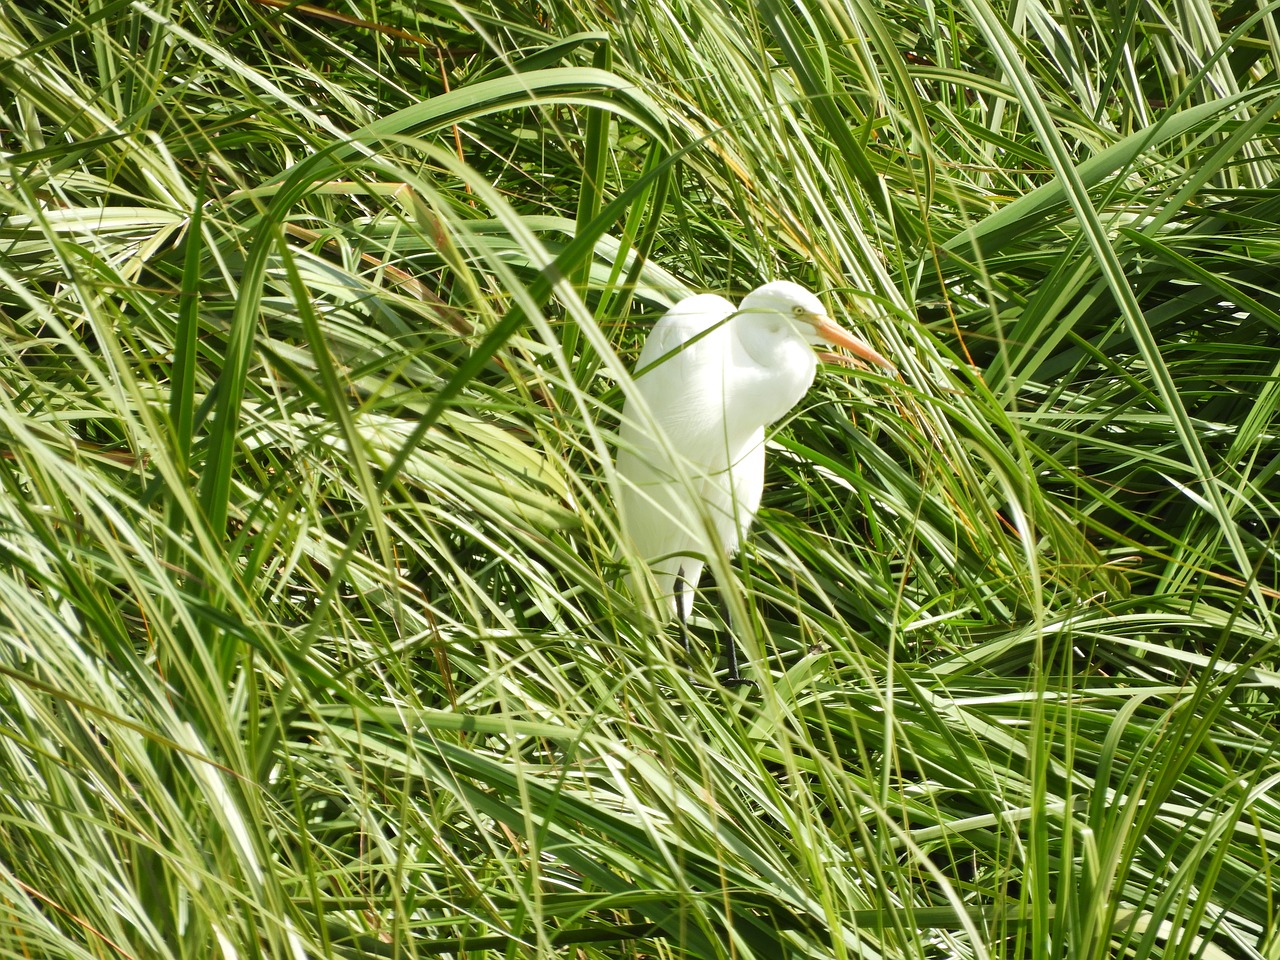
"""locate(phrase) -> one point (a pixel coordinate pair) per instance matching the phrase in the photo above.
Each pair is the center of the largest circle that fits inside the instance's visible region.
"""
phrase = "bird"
(691, 446)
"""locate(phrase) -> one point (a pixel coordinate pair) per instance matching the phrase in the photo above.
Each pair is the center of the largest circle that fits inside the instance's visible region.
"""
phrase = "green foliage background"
(314, 321)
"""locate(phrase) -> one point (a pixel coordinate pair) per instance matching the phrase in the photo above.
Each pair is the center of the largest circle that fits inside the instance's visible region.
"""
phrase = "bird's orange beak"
(832, 332)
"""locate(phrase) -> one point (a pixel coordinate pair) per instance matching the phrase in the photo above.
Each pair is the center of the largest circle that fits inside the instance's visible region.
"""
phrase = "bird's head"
(807, 316)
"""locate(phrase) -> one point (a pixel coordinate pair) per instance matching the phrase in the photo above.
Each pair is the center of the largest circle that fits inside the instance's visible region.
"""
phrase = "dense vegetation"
(315, 320)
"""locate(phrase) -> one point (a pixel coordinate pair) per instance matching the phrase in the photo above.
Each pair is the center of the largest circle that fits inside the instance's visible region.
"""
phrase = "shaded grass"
(314, 641)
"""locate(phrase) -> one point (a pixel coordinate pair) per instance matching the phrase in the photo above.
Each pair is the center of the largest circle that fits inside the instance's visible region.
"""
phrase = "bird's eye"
(798, 310)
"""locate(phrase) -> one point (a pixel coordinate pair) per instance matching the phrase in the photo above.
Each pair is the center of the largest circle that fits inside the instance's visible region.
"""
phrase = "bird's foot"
(735, 677)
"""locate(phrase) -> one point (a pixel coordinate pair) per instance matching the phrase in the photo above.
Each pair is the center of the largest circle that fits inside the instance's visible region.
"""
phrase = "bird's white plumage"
(691, 451)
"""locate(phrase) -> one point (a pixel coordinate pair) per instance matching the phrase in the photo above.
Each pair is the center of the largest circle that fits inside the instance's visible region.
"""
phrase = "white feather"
(691, 452)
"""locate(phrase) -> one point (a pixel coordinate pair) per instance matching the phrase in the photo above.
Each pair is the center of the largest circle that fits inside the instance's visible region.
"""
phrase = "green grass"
(313, 635)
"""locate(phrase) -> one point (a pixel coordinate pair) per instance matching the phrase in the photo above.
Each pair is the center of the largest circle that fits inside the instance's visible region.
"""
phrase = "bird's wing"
(679, 379)
(680, 376)
(678, 332)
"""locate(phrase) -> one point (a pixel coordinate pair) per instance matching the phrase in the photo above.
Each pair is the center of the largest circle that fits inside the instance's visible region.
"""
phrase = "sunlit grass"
(314, 635)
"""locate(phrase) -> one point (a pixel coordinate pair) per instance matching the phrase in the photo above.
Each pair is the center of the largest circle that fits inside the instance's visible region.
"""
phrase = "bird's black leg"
(680, 587)
(734, 677)
(731, 651)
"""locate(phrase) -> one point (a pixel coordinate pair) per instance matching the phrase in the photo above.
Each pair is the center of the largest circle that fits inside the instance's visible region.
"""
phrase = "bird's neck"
(765, 385)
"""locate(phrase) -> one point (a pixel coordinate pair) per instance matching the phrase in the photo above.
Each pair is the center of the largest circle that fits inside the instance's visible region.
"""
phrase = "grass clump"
(313, 637)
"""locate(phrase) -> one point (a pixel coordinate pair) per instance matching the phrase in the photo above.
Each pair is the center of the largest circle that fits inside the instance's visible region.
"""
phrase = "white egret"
(711, 378)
